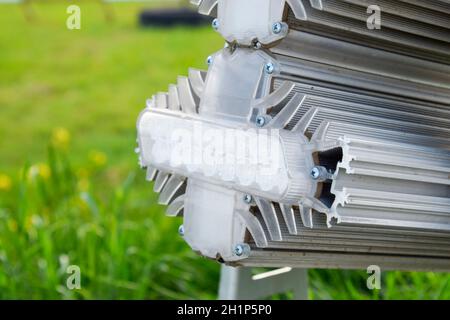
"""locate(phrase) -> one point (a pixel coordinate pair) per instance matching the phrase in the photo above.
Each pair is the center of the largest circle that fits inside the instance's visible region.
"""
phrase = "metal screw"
(209, 60)
(269, 68)
(257, 45)
(241, 249)
(315, 173)
(248, 198)
(181, 230)
(215, 24)
(277, 27)
(321, 173)
(261, 121)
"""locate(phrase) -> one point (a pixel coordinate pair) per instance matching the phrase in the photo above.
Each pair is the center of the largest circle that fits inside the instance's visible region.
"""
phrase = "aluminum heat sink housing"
(312, 140)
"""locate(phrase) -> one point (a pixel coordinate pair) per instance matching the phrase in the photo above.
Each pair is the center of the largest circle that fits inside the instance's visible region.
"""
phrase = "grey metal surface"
(416, 35)
(327, 260)
(242, 284)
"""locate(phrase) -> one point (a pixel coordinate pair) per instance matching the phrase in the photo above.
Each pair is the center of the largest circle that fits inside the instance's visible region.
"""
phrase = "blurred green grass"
(92, 81)
(70, 189)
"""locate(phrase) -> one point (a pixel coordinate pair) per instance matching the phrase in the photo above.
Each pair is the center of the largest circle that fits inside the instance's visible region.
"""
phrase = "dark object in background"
(172, 17)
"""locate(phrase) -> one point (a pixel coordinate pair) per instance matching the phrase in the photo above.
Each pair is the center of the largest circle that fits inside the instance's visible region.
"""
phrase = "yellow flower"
(83, 184)
(39, 170)
(12, 225)
(98, 158)
(5, 182)
(44, 171)
(61, 138)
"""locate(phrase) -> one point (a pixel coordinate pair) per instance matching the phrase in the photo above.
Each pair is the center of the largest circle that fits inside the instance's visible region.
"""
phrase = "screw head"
(257, 45)
(181, 230)
(269, 68)
(215, 24)
(241, 249)
(260, 121)
(315, 173)
(209, 60)
(248, 198)
(277, 27)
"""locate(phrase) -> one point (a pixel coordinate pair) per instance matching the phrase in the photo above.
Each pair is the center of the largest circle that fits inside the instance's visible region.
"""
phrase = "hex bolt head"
(242, 249)
(215, 24)
(260, 121)
(277, 27)
(181, 230)
(269, 68)
(209, 60)
(248, 199)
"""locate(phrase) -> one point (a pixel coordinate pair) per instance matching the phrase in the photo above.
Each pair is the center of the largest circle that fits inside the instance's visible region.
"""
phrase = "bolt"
(315, 173)
(277, 27)
(321, 173)
(269, 68)
(209, 60)
(181, 230)
(261, 121)
(248, 198)
(257, 45)
(215, 24)
(241, 249)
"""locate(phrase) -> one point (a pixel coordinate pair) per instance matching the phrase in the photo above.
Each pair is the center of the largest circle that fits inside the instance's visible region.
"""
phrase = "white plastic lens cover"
(245, 21)
(266, 162)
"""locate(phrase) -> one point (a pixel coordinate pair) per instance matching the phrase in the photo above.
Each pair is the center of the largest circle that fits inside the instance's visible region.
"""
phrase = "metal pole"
(241, 284)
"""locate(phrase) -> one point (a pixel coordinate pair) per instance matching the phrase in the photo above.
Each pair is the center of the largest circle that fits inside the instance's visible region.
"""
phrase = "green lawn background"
(70, 188)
